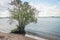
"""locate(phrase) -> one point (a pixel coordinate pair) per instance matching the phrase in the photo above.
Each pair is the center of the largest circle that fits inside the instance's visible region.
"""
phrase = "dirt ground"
(6, 36)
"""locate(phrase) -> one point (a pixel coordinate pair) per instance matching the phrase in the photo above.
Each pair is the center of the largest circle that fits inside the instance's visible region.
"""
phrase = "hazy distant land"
(38, 17)
(49, 17)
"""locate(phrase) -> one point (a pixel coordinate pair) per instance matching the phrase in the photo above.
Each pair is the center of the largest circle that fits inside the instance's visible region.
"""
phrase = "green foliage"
(16, 29)
(23, 13)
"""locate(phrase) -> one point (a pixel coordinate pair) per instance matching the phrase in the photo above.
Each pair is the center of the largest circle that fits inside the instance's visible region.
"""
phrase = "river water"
(43, 26)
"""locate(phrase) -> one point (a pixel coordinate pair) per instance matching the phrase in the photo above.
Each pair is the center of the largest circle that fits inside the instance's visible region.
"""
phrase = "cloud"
(4, 14)
(47, 10)
(4, 5)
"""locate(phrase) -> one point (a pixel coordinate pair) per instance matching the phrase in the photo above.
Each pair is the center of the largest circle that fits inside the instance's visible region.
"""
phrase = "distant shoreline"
(50, 17)
(38, 17)
(4, 17)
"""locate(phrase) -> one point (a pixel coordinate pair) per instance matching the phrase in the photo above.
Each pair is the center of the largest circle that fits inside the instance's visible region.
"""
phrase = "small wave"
(35, 37)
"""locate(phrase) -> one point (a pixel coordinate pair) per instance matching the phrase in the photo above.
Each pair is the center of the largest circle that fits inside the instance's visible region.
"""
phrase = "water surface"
(45, 25)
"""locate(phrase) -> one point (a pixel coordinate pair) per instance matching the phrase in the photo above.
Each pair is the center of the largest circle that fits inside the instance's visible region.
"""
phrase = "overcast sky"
(46, 7)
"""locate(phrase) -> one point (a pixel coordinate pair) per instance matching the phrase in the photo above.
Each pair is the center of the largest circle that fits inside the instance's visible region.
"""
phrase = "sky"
(45, 7)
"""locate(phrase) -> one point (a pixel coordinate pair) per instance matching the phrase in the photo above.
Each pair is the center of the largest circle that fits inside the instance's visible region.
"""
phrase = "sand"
(10, 36)
(7, 36)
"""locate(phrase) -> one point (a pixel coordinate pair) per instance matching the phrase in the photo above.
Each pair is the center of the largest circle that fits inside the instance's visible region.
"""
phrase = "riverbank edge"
(11, 36)
(44, 37)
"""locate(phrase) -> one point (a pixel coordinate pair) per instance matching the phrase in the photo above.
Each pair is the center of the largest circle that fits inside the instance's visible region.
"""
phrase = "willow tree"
(23, 13)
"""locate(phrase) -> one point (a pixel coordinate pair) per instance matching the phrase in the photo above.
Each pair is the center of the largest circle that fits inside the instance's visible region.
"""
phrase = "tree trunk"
(20, 30)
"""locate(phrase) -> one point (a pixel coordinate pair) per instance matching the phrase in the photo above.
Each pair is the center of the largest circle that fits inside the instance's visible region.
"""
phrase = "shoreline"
(35, 37)
(28, 36)
(10, 36)
(44, 37)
